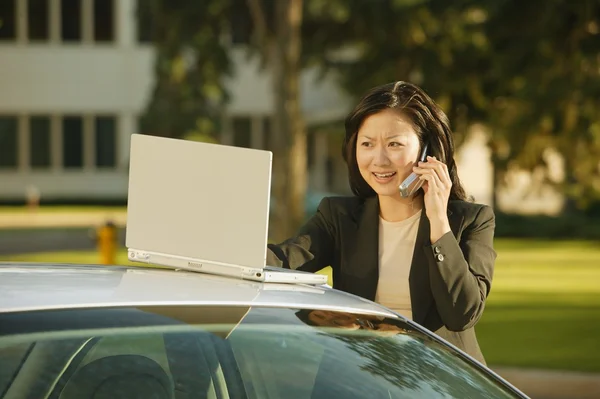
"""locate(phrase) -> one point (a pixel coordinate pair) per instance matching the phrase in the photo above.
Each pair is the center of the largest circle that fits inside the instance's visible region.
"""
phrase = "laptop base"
(270, 275)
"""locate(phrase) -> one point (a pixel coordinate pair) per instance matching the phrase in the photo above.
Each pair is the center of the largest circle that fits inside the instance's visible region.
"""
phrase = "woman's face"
(326, 318)
(387, 148)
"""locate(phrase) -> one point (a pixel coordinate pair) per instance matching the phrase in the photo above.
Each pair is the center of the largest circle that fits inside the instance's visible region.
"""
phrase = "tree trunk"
(289, 149)
(297, 182)
(282, 50)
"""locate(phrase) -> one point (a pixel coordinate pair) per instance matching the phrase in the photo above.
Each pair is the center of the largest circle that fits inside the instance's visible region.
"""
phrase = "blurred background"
(519, 80)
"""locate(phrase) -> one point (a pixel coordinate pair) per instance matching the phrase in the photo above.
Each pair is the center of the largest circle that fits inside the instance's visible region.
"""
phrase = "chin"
(390, 190)
(388, 193)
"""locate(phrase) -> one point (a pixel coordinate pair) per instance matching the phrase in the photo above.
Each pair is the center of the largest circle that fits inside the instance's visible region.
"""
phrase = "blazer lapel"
(362, 265)
(418, 278)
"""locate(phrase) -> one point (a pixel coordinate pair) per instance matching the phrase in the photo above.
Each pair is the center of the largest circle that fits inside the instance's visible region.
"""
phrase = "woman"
(429, 256)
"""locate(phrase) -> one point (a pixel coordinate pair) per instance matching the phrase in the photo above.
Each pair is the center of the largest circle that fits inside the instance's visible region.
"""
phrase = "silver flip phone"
(412, 183)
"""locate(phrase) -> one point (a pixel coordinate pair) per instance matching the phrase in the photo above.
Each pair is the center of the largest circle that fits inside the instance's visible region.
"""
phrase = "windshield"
(227, 352)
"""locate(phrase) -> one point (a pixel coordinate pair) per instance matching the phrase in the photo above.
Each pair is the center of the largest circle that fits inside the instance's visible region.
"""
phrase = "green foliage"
(566, 226)
(191, 66)
(545, 89)
(529, 71)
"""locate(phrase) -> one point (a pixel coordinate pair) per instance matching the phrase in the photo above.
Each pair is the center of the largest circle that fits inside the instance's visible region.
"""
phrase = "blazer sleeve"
(313, 246)
(461, 272)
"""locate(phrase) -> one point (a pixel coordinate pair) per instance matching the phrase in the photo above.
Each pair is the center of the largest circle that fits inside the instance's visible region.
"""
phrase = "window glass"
(8, 141)
(145, 22)
(37, 20)
(73, 142)
(106, 141)
(11, 359)
(103, 20)
(234, 352)
(39, 146)
(70, 17)
(8, 26)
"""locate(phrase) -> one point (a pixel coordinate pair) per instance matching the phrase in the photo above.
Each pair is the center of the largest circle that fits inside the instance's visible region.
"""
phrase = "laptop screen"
(204, 201)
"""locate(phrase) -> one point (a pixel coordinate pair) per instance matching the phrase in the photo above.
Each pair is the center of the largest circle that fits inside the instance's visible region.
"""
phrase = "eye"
(395, 144)
(366, 144)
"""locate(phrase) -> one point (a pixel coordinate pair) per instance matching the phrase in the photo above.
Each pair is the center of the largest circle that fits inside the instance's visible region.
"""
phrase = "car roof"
(45, 286)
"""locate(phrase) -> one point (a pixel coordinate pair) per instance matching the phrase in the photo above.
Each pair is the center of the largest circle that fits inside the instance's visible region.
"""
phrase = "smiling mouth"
(384, 175)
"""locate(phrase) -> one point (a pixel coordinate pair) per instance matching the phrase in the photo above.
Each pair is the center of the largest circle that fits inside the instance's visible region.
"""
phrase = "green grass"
(544, 307)
(61, 208)
(543, 311)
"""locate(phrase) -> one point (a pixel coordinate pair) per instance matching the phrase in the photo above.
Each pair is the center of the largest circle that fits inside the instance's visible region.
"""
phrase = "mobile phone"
(412, 183)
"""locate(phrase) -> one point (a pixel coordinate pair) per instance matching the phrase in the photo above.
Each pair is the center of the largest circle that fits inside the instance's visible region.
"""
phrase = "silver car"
(91, 331)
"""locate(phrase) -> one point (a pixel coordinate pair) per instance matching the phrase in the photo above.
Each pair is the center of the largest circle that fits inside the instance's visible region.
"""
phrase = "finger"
(445, 174)
(432, 180)
(440, 168)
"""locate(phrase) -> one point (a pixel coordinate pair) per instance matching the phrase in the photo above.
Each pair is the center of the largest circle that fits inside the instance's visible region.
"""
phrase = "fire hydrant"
(106, 241)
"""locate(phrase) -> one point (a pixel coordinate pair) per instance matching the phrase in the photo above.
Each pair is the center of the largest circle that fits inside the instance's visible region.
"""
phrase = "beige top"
(396, 247)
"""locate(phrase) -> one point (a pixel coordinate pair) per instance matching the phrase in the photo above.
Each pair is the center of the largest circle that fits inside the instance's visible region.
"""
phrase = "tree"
(190, 67)
(526, 70)
(544, 76)
(280, 45)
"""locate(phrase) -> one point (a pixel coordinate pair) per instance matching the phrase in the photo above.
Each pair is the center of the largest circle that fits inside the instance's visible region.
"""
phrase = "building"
(75, 78)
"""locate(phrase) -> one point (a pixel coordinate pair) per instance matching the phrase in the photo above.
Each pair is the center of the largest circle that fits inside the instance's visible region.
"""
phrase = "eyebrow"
(389, 137)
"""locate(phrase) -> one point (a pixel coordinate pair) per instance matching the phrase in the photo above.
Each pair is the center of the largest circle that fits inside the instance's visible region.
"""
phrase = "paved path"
(42, 219)
(25, 232)
(51, 239)
(545, 384)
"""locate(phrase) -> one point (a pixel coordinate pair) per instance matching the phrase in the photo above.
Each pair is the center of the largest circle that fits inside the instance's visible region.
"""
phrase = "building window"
(145, 22)
(37, 20)
(241, 23)
(106, 141)
(39, 138)
(70, 17)
(103, 20)
(242, 131)
(72, 142)
(8, 12)
(8, 142)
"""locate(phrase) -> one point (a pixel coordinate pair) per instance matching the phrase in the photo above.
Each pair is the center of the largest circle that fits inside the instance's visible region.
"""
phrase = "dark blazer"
(449, 281)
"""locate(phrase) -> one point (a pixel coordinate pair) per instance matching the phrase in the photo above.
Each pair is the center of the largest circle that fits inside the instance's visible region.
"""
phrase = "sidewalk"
(44, 219)
(546, 384)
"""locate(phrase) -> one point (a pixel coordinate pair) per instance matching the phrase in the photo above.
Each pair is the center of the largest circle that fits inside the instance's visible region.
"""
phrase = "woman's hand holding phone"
(437, 186)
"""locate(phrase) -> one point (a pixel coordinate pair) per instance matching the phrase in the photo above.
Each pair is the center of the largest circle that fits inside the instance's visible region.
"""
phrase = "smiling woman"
(428, 256)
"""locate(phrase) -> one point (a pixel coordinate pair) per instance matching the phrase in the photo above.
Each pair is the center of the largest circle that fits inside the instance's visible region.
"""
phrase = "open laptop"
(202, 207)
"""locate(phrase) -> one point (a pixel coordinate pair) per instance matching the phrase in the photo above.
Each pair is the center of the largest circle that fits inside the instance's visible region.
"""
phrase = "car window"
(228, 352)
(11, 359)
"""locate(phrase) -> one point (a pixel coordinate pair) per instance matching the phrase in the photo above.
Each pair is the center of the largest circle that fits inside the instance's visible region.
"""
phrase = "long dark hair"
(429, 121)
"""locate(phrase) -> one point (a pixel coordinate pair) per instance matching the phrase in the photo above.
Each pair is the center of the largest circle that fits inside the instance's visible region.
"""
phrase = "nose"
(380, 158)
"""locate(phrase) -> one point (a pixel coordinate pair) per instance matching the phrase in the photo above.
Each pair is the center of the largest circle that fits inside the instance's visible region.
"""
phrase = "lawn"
(62, 208)
(544, 308)
(543, 311)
